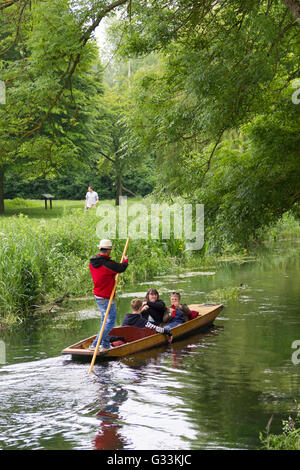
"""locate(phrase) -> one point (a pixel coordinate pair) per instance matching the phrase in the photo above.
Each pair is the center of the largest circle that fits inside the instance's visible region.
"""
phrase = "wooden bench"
(48, 197)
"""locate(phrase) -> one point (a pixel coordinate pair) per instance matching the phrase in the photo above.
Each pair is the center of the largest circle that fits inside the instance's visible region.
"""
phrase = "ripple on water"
(56, 400)
(215, 390)
(48, 399)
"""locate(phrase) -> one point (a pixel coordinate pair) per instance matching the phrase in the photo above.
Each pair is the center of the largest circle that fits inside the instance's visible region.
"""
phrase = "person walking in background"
(103, 270)
(91, 198)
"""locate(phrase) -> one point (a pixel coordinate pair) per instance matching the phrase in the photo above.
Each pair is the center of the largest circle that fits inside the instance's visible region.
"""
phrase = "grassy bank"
(44, 255)
(286, 228)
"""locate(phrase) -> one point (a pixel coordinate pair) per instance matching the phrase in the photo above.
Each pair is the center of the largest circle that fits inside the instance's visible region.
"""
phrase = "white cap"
(105, 245)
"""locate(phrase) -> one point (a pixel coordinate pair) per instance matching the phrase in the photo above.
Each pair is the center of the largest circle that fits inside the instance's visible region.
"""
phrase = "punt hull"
(207, 314)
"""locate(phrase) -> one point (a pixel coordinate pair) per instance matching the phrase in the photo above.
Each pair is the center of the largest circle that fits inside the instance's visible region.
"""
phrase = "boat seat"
(117, 343)
(131, 333)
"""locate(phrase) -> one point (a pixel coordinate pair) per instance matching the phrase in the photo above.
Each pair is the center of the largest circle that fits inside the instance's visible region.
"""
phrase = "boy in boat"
(104, 270)
(153, 308)
(135, 319)
(178, 313)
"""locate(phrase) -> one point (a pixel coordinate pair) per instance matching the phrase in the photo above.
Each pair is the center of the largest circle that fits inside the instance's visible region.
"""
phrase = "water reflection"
(109, 436)
(114, 431)
(216, 389)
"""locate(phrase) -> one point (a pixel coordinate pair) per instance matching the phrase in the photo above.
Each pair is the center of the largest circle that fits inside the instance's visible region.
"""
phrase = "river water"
(214, 390)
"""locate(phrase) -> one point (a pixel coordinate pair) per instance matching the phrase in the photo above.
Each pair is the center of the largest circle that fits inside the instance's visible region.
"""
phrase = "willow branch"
(208, 163)
(56, 99)
(100, 16)
(18, 28)
(7, 4)
(128, 191)
(107, 157)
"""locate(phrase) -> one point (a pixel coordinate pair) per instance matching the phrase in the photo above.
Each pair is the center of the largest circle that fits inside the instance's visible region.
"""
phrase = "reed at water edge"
(42, 259)
(44, 255)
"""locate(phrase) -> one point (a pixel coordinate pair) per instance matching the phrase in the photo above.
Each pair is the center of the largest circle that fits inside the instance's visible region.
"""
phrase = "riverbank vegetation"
(289, 439)
(44, 256)
(42, 260)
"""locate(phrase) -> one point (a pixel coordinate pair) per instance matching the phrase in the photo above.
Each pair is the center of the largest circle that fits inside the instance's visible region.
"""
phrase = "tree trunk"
(119, 188)
(294, 7)
(1, 190)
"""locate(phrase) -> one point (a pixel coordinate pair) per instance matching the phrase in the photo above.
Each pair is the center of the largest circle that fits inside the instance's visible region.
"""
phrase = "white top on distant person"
(91, 198)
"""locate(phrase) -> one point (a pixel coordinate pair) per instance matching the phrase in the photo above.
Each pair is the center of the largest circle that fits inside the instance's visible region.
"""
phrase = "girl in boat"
(135, 318)
(153, 308)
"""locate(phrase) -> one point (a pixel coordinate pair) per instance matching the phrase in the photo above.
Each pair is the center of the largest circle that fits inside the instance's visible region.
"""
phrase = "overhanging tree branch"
(7, 4)
(100, 16)
(23, 8)
(107, 157)
(128, 191)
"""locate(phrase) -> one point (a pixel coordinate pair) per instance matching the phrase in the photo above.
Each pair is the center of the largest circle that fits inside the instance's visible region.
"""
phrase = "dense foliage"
(219, 108)
(43, 259)
(210, 113)
(46, 125)
(73, 184)
(289, 439)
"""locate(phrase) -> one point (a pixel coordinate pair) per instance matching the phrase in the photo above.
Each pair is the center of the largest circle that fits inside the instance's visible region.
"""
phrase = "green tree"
(224, 66)
(48, 60)
(117, 158)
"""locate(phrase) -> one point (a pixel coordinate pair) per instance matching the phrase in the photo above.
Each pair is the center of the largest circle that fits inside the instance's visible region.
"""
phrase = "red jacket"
(104, 270)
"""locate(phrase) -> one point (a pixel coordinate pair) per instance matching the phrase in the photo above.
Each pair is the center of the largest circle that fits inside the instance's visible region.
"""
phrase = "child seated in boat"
(153, 308)
(135, 319)
(178, 313)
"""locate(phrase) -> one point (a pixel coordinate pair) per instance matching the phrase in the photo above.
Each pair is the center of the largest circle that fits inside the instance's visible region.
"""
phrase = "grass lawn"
(35, 208)
(44, 255)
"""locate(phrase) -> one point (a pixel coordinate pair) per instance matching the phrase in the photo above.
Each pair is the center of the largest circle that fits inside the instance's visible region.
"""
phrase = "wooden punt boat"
(139, 339)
